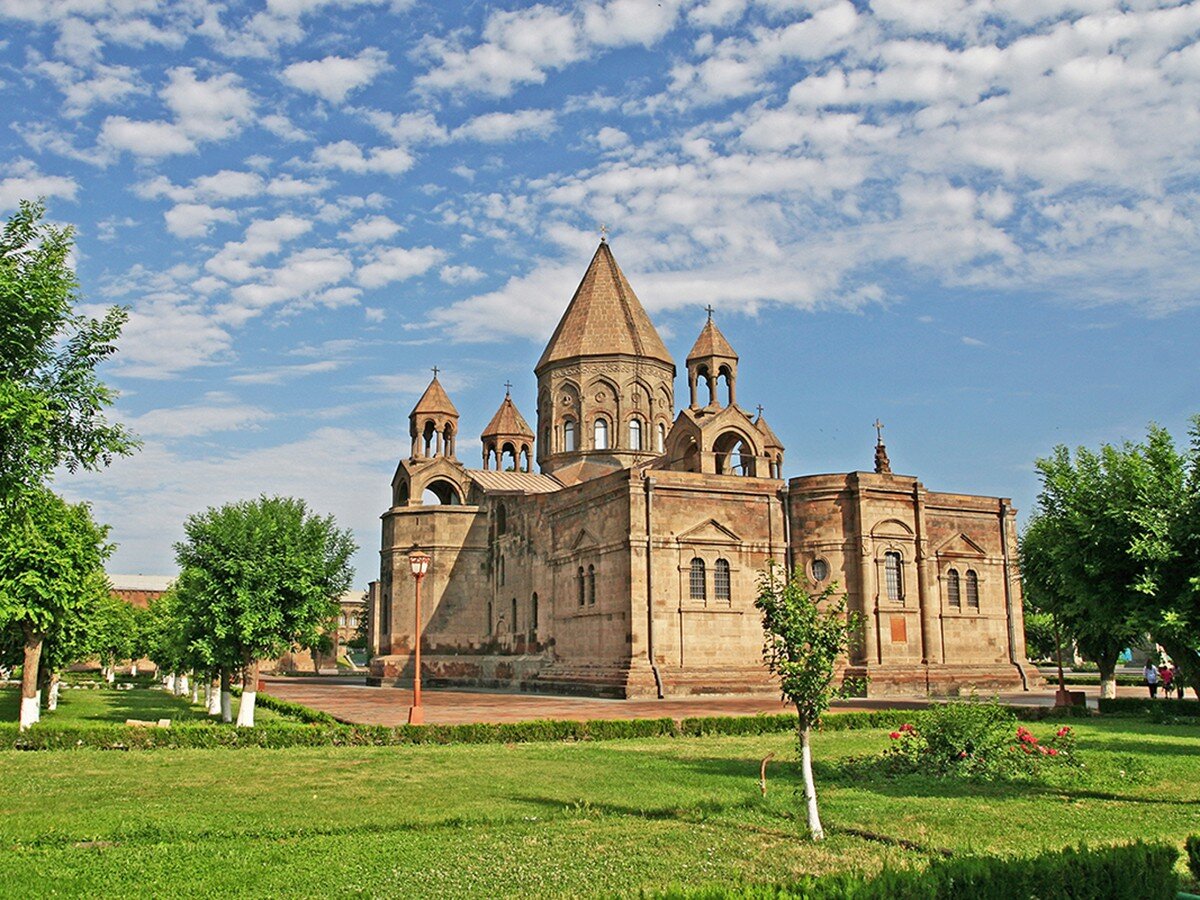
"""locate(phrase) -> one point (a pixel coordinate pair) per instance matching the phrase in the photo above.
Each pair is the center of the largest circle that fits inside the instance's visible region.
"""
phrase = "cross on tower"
(507, 388)
(435, 371)
(709, 309)
(603, 233)
(878, 431)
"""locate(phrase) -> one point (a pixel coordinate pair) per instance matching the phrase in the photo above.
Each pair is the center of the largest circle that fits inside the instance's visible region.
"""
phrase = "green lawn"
(82, 706)
(542, 819)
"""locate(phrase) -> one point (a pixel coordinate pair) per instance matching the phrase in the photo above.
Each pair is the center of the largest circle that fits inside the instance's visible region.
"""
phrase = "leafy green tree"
(1168, 542)
(1076, 553)
(51, 573)
(113, 633)
(51, 400)
(805, 636)
(257, 578)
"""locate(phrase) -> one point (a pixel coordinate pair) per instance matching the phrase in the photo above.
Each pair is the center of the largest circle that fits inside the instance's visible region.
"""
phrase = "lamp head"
(418, 562)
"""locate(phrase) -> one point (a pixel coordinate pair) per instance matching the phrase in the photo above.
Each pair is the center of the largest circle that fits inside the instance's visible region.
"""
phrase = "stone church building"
(615, 549)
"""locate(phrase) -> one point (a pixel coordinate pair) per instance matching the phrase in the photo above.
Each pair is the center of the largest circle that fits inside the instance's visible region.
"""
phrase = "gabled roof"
(711, 343)
(507, 422)
(525, 482)
(769, 437)
(434, 400)
(604, 318)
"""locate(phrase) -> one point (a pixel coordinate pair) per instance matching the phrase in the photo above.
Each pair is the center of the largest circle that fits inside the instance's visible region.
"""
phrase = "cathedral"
(615, 551)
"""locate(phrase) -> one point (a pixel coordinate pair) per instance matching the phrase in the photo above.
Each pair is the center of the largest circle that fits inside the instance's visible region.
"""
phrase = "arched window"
(972, 589)
(489, 621)
(893, 576)
(591, 586)
(697, 588)
(580, 585)
(600, 435)
(661, 438)
(635, 434)
(569, 436)
(441, 493)
(500, 570)
(501, 519)
(820, 570)
(721, 581)
(513, 627)
(953, 597)
(533, 613)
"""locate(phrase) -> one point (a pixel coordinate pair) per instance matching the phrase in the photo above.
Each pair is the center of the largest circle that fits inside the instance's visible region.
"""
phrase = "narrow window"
(895, 584)
(696, 583)
(972, 589)
(591, 592)
(569, 436)
(600, 434)
(721, 581)
(635, 434)
(489, 621)
(953, 597)
(580, 579)
(533, 614)
(501, 573)
(501, 519)
(662, 437)
(514, 615)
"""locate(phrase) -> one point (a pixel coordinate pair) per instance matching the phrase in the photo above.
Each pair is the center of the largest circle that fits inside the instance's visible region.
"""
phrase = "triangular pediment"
(583, 540)
(708, 532)
(960, 545)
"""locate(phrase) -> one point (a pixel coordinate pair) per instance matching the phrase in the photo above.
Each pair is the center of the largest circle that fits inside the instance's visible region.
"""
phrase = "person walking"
(1166, 675)
(1150, 673)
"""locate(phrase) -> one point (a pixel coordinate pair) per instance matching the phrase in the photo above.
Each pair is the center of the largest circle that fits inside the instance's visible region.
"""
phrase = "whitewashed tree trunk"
(52, 700)
(245, 717)
(110, 674)
(171, 682)
(226, 696)
(133, 669)
(1108, 688)
(195, 689)
(31, 701)
(810, 787)
(181, 685)
(213, 691)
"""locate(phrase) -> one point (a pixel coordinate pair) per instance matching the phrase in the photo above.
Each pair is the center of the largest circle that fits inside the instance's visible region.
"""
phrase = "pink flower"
(962, 755)
(907, 728)
(894, 735)
(1062, 732)
(1053, 752)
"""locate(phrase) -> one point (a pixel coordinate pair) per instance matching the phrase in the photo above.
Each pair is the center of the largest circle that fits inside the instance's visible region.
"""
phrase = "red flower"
(894, 735)
(963, 755)
(1062, 732)
(1053, 752)
(907, 727)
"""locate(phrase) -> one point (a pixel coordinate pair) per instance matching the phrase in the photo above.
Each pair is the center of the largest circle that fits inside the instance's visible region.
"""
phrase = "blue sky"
(976, 221)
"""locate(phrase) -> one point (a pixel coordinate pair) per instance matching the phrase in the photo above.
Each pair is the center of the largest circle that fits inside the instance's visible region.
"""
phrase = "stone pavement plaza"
(349, 699)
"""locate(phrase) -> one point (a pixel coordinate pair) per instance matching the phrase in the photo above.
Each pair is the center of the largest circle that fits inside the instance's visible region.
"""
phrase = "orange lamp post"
(419, 564)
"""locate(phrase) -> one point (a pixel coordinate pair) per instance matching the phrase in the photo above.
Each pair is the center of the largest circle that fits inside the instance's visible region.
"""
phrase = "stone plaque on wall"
(899, 630)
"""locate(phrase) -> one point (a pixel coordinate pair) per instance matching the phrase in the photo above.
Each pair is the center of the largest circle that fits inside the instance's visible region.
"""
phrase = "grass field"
(82, 706)
(544, 819)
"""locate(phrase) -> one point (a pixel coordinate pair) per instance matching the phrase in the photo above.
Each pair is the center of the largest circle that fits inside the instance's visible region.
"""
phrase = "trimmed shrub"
(1138, 706)
(1193, 856)
(301, 713)
(1133, 870)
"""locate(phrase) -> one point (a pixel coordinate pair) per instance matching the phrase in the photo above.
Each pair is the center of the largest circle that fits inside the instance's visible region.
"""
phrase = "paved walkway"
(348, 698)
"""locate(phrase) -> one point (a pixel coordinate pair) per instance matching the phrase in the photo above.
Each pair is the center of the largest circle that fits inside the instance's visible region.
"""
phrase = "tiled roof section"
(604, 317)
(526, 482)
(435, 400)
(508, 422)
(711, 343)
(769, 437)
(141, 582)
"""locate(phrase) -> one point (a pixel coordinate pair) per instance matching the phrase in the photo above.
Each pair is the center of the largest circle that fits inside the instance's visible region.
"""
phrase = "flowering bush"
(978, 740)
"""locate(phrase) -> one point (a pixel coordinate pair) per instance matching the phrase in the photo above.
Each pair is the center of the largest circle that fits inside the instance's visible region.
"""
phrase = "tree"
(806, 635)
(1077, 562)
(51, 401)
(51, 572)
(257, 578)
(113, 634)
(1168, 543)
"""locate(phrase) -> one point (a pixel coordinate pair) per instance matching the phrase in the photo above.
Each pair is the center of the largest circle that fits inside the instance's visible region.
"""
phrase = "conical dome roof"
(604, 318)
(507, 422)
(711, 343)
(435, 400)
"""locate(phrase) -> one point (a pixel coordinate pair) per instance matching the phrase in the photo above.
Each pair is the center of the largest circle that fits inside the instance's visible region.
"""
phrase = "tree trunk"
(110, 673)
(52, 695)
(316, 662)
(30, 712)
(810, 787)
(214, 697)
(171, 681)
(226, 696)
(245, 717)
(195, 689)
(133, 668)
(181, 685)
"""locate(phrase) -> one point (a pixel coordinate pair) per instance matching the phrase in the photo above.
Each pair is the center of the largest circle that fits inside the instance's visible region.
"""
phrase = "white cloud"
(193, 421)
(498, 127)
(264, 237)
(149, 139)
(397, 264)
(460, 274)
(285, 374)
(27, 182)
(298, 281)
(371, 230)
(192, 220)
(349, 157)
(333, 77)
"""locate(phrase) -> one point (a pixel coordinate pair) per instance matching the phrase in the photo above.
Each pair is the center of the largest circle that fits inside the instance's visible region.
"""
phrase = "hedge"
(1192, 846)
(1133, 870)
(1124, 706)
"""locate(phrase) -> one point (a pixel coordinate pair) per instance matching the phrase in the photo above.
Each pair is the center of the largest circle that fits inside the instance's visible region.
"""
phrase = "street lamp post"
(419, 564)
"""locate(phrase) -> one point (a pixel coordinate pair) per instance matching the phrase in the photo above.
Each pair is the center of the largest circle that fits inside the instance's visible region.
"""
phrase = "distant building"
(140, 590)
(627, 565)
